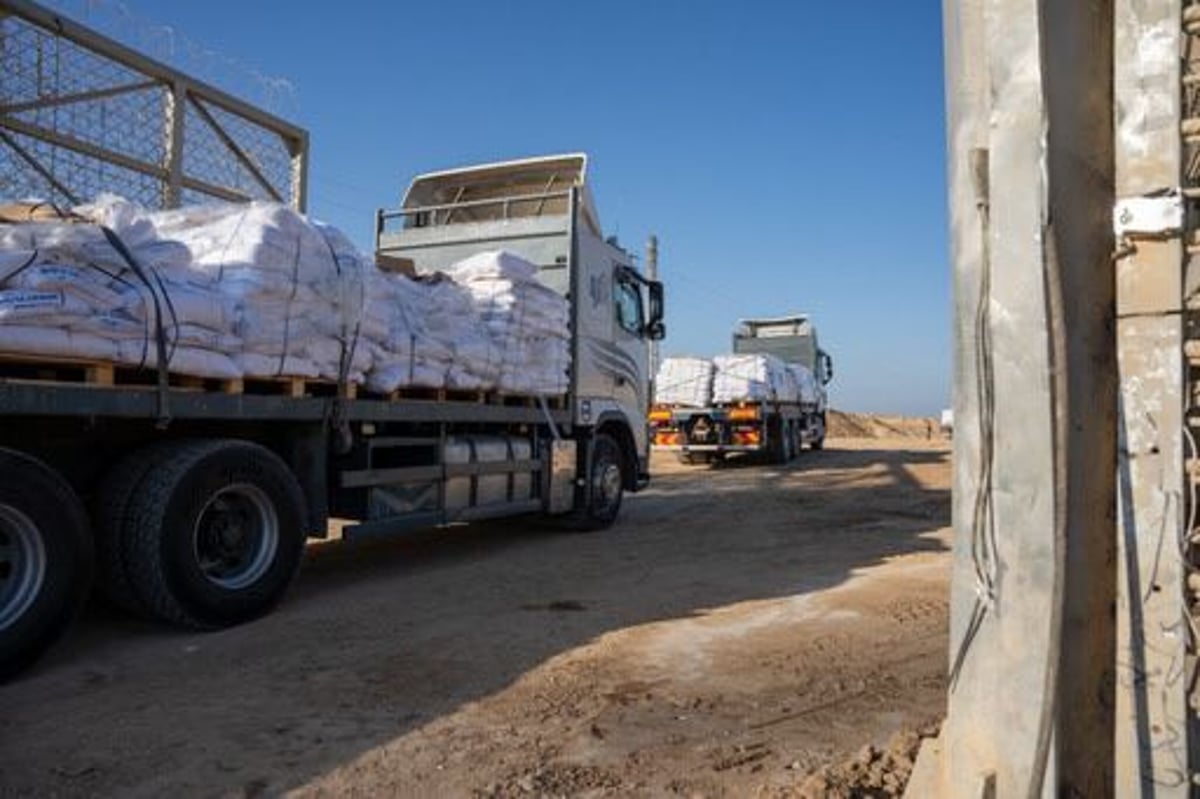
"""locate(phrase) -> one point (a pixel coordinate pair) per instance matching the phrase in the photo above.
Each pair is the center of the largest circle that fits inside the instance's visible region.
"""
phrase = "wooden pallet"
(16, 368)
(478, 397)
(435, 395)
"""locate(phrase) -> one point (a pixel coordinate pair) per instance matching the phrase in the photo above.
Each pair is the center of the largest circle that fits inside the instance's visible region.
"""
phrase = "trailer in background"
(773, 428)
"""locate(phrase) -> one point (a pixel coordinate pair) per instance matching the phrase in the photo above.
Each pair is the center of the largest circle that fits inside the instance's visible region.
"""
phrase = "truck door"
(629, 335)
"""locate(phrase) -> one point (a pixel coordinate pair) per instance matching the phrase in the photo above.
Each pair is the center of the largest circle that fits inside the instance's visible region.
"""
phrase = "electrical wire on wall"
(983, 522)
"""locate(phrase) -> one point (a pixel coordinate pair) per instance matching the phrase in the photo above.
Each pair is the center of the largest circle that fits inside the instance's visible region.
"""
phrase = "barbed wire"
(114, 19)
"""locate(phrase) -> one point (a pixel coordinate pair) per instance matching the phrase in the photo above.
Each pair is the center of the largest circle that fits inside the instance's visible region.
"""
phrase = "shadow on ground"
(379, 638)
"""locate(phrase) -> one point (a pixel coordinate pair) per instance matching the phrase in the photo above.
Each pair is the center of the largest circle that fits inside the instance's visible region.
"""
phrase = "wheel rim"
(606, 490)
(236, 536)
(22, 564)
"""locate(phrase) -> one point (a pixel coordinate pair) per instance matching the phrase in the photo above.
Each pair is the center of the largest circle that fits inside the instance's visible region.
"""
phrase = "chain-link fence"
(81, 114)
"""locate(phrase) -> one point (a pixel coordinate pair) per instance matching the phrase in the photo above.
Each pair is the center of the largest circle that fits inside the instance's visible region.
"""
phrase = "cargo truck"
(191, 501)
(773, 428)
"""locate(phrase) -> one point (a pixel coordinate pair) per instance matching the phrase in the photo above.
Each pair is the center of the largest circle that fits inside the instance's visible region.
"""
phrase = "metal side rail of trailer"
(83, 401)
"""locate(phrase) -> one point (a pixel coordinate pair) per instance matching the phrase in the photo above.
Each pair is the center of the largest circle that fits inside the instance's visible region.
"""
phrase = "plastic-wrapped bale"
(253, 289)
(258, 290)
(806, 383)
(455, 326)
(752, 378)
(300, 286)
(419, 321)
(66, 292)
(684, 381)
(526, 323)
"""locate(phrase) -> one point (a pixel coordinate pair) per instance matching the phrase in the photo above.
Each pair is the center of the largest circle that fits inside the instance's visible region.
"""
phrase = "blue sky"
(789, 155)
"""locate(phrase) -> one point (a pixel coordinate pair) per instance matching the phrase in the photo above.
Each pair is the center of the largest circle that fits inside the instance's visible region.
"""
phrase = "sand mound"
(844, 424)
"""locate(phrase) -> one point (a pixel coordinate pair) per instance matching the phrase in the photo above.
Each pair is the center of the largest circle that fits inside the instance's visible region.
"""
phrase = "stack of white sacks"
(684, 381)
(697, 382)
(754, 378)
(806, 383)
(516, 335)
(257, 290)
(527, 324)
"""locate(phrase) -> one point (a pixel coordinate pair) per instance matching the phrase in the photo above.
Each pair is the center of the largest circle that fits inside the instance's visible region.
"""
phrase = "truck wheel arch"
(615, 425)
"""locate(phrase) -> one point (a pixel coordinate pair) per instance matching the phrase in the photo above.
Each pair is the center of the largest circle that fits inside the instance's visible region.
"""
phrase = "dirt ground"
(743, 631)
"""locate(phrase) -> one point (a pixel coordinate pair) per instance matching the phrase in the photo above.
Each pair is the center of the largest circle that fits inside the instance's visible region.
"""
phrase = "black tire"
(230, 500)
(603, 501)
(110, 513)
(776, 447)
(46, 565)
(819, 442)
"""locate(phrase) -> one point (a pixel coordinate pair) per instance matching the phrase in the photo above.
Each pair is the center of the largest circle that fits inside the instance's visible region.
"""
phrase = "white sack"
(181, 360)
(56, 342)
(752, 378)
(684, 381)
(806, 383)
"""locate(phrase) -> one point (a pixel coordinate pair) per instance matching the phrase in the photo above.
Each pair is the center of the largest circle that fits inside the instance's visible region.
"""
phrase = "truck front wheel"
(45, 559)
(214, 535)
(818, 443)
(607, 486)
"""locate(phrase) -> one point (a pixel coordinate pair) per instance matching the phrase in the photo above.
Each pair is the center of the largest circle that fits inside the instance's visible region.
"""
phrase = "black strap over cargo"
(161, 344)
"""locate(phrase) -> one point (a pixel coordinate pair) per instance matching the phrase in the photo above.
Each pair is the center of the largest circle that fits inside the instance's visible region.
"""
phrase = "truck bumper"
(707, 448)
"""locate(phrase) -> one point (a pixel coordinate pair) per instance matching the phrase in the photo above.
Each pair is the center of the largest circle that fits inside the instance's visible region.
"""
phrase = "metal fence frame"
(183, 97)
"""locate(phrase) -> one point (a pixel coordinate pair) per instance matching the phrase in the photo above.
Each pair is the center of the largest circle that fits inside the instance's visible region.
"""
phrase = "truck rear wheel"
(776, 445)
(110, 512)
(214, 534)
(45, 559)
(789, 442)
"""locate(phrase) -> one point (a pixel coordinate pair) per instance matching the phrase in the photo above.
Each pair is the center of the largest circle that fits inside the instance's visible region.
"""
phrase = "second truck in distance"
(767, 399)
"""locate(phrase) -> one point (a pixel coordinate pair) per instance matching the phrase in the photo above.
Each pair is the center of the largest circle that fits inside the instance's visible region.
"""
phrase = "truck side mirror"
(826, 368)
(656, 331)
(656, 305)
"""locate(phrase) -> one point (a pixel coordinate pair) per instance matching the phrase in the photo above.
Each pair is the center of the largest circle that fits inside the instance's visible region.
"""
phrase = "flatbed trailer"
(82, 428)
(190, 500)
